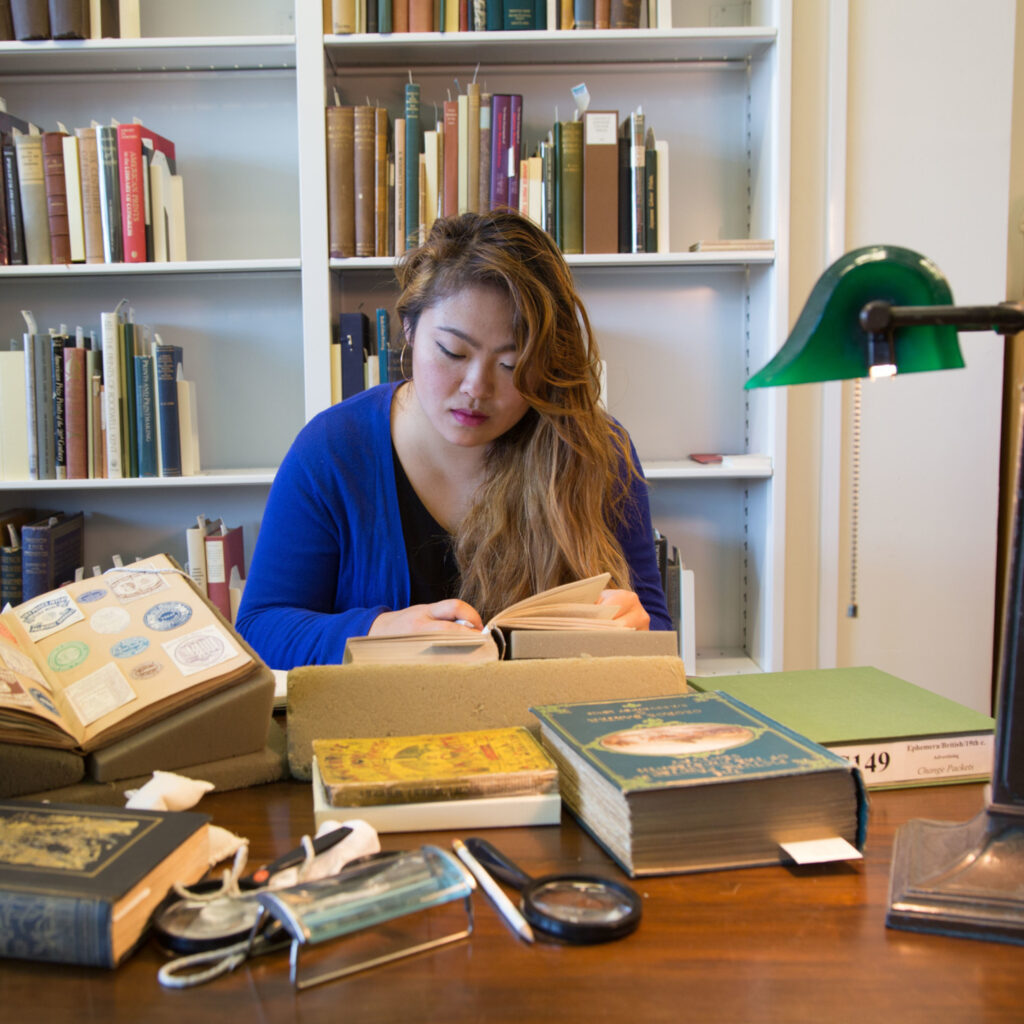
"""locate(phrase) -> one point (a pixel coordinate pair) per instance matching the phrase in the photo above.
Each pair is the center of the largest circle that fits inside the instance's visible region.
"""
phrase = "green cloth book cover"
(897, 733)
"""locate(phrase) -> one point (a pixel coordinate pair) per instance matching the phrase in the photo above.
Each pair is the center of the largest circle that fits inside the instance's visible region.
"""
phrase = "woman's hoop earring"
(401, 363)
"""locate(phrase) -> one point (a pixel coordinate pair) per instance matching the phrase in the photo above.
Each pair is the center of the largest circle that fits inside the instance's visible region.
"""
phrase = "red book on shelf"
(132, 170)
(224, 552)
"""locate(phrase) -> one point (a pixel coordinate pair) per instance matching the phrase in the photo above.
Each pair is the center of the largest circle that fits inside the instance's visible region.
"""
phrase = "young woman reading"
(489, 474)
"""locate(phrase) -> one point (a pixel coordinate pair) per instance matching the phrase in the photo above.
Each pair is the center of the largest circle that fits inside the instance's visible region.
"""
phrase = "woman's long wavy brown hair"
(555, 488)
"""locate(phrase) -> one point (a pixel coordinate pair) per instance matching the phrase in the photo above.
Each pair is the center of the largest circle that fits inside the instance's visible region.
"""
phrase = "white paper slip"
(821, 851)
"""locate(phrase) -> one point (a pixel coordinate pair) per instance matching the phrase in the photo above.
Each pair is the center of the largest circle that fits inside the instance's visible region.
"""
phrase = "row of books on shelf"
(596, 184)
(83, 406)
(363, 355)
(40, 550)
(100, 194)
(352, 17)
(31, 20)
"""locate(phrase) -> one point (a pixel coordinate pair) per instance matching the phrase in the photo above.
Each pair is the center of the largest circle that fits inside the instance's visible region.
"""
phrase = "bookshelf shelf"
(727, 261)
(732, 467)
(433, 49)
(216, 478)
(75, 270)
(203, 53)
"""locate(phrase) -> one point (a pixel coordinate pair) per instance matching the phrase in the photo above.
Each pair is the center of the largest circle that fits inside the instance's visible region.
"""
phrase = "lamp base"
(963, 879)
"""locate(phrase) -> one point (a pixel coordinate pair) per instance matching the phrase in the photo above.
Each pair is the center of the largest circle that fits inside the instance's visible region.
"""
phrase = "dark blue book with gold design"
(699, 781)
(78, 883)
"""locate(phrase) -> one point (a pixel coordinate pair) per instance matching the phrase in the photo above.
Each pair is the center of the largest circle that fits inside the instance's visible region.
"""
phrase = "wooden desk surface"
(764, 944)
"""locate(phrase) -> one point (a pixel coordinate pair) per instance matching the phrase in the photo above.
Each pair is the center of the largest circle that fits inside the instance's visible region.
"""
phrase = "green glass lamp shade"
(828, 343)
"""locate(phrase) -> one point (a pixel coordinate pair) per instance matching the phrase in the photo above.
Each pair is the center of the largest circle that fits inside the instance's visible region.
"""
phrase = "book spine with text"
(570, 186)
(167, 359)
(413, 148)
(363, 145)
(145, 419)
(484, 173)
(224, 552)
(515, 148)
(73, 192)
(58, 343)
(341, 214)
(500, 135)
(56, 197)
(111, 329)
(32, 191)
(110, 193)
(75, 413)
(89, 176)
(51, 551)
(12, 203)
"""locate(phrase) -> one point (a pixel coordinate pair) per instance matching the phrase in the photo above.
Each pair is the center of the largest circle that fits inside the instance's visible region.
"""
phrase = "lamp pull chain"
(851, 608)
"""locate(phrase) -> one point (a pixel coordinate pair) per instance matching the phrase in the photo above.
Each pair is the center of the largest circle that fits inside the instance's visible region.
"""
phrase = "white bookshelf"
(240, 87)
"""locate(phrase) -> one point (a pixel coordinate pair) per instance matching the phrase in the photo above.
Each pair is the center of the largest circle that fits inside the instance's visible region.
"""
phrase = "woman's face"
(463, 355)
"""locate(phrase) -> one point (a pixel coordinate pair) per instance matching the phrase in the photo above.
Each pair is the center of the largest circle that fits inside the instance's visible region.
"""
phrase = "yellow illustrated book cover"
(360, 772)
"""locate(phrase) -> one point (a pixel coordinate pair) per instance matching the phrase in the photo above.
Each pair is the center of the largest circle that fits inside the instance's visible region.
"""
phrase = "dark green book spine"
(650, 199)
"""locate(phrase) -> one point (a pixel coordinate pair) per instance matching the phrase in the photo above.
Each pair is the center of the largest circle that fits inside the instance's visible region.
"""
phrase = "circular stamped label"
(129, 647)
(146, 670)
(200, 650)
(41, 698)
(110, 620)
(91, 595)
(136, 584)
(167, 615)
(67, 656)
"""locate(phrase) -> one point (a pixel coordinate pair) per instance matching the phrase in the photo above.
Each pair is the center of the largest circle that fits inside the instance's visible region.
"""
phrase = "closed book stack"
(896, 733)
(699, 782)
(476, 779)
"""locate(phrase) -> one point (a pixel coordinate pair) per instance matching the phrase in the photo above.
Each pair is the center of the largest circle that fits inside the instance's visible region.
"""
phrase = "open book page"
(106, 651)
(569, 606)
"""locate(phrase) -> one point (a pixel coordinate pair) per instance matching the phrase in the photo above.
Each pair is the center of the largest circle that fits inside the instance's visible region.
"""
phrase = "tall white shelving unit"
(254, 306)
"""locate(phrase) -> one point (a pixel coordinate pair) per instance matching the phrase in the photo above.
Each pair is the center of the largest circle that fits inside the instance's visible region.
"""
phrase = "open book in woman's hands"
(570, 606)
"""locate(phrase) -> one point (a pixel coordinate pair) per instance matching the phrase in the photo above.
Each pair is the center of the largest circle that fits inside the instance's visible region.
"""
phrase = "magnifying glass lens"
(190, 926)
(578, 901)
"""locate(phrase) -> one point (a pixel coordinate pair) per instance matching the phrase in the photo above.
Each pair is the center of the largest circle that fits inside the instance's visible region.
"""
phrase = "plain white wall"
(929, 94)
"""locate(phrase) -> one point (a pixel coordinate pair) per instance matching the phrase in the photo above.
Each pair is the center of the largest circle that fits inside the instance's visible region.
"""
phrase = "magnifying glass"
(575, 908)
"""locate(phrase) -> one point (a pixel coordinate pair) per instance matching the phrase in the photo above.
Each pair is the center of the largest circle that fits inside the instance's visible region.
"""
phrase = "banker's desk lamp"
(876, 312)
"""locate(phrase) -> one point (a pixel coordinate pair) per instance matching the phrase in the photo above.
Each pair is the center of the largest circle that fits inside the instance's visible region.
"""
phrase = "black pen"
(298, 855)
